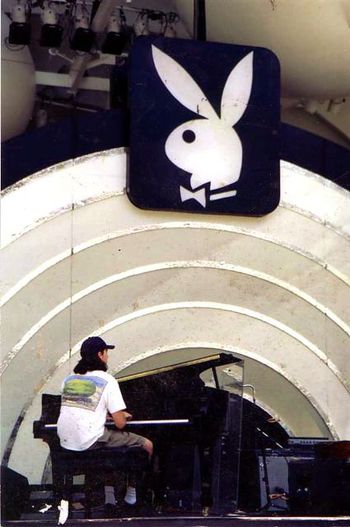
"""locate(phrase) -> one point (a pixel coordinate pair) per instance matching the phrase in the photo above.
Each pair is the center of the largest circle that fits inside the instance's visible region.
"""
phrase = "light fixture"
(19, 28)
(170, 31)
(141, 24)
(83, 37)
(156, 21)
(51, 32)
(117, 37)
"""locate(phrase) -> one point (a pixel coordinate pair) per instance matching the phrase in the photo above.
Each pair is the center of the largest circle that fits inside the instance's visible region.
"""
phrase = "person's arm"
(116, 402)
(120, 418)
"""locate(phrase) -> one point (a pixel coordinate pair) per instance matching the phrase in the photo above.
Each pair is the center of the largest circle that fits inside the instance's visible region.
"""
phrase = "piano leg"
(224, 475)
(58, 480)
(177, 477)
(197, 480)
(205, 455)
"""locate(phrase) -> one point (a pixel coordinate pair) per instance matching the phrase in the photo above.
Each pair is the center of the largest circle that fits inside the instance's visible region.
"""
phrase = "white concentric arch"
(167, 307)
(106, 157)
(166, 225)
(216, 227)
(183, 264)
(23, 282)
(317, 219)
(68, 163)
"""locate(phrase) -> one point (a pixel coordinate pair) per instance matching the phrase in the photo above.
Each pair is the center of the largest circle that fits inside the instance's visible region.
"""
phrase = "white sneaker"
(64, 511)
(130, 496)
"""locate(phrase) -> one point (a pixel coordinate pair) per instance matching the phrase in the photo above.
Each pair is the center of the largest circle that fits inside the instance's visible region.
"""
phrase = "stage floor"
(190, 521)
(41, 510)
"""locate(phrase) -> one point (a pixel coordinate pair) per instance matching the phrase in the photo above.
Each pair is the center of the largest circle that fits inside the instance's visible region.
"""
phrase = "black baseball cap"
(92, 345)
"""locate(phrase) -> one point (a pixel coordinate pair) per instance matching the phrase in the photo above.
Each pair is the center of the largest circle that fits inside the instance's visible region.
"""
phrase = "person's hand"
(127, 416)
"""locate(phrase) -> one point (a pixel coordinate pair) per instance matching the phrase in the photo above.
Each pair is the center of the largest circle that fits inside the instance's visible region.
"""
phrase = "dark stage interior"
(305, 485)
(228, 462)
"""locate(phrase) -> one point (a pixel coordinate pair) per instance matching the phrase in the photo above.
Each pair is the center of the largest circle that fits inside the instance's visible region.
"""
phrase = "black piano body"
(195, 427)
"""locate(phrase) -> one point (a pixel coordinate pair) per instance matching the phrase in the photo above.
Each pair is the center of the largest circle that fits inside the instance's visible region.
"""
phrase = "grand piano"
(192, 413)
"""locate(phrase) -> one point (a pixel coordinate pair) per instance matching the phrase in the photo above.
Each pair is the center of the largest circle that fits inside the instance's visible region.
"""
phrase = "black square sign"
(204, 130)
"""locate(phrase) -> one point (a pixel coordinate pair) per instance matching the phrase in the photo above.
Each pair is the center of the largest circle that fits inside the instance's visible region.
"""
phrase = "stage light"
(51, 31)
(157, 22)
(19, 28)
(117, 37)
(83, 37)
(141, 24)
(170, 31)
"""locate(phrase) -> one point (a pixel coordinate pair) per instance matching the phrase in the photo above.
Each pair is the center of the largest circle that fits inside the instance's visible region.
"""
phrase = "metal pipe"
(199, 20)
(253, 390)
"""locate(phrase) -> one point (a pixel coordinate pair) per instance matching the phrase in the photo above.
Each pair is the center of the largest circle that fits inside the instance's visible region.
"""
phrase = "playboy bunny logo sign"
(209, 149)
(204, 132)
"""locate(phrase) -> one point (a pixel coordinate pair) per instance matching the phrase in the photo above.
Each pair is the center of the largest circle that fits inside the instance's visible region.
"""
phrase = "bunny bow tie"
(199, 195)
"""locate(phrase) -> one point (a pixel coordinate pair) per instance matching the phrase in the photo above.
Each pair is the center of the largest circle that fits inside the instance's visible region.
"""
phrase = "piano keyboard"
(148, 422)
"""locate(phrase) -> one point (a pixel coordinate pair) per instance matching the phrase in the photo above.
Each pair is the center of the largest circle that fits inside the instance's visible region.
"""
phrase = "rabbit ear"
(237, 90)
(181, 85)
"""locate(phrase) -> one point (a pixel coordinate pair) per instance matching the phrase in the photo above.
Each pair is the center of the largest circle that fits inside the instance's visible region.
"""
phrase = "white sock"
(109, 494)
(130, 495)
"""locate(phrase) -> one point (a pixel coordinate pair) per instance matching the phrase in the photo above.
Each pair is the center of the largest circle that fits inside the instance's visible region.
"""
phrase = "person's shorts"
(119, 438)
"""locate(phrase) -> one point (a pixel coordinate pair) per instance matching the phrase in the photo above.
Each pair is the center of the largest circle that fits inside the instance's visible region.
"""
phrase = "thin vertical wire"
(74, 142)
(71, 267)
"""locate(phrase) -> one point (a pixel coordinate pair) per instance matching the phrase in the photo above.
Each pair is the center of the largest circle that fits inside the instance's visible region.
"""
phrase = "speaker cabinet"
(15, 494)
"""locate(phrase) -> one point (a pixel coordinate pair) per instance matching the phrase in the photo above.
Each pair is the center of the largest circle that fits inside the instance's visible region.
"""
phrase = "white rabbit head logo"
(209, 149)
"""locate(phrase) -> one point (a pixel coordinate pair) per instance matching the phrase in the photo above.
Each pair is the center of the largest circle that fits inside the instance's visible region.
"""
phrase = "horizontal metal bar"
(64, 80)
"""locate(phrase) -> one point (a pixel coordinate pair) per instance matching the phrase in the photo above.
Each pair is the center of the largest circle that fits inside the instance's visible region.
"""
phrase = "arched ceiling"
(273, 291)
(311, 39)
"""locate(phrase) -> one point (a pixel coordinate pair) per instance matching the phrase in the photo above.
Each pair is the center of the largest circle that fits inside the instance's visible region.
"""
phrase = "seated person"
(88, 396)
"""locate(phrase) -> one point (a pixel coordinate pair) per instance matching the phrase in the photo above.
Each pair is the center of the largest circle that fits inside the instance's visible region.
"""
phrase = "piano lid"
(198, 365)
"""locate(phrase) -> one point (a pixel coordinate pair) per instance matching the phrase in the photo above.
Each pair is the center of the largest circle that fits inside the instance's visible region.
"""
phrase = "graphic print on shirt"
(83, 392)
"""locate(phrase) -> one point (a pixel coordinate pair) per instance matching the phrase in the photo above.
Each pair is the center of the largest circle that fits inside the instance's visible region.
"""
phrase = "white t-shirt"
(86, 399)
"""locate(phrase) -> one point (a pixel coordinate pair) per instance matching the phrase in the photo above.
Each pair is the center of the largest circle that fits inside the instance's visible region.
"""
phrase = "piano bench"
(92, 463)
